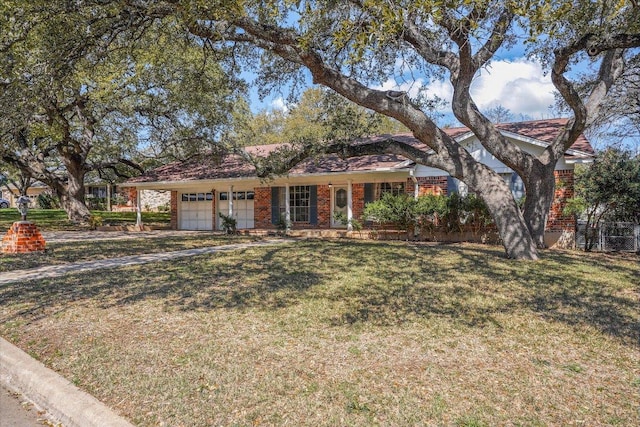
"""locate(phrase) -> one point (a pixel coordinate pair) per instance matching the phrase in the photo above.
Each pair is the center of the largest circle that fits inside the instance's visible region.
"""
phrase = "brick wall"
(262, 208)
(357, 195)
(324, 206)
(174, 210)
(431, 185)
(564, 190)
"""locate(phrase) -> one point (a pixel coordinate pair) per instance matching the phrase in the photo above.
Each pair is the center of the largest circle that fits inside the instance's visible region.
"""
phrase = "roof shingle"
(233, 166)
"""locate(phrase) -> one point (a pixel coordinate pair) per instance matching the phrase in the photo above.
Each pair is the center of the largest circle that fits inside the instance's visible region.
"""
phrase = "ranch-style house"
(314, 191)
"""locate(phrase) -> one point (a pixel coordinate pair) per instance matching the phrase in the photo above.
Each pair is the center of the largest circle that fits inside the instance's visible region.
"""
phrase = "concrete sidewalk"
(51, 271)
(41, 386)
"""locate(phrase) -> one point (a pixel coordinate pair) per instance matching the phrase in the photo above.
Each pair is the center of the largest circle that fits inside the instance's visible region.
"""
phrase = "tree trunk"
(76, 209)
(511, 225)
(72, 194)
(540, 183)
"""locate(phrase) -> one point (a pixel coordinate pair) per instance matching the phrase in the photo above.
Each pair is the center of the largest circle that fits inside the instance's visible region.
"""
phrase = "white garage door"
(242, 208)
(196, 211)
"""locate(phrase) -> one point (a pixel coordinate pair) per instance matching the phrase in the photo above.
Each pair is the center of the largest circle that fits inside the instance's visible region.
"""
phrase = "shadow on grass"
(373, 282)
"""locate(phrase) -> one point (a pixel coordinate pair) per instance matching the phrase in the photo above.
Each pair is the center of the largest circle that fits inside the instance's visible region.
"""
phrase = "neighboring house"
(12, 193)
(98, 195)
(150, 200)
(315, 190)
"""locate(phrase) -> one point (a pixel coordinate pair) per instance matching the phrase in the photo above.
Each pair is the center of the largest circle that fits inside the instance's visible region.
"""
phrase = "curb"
(46, 389)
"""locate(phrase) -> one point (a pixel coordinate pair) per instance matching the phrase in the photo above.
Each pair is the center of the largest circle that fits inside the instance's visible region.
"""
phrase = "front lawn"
(345, 333)
(56, 219)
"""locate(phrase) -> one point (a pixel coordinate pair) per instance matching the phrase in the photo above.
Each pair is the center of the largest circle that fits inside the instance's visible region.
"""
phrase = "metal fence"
(610, 236)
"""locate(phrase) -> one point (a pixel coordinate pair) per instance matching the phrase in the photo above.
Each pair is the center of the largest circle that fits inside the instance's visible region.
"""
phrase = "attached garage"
(196, 211)
(242, 207)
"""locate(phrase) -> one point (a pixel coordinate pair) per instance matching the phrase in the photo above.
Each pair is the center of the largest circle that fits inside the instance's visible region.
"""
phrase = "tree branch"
(281, 161)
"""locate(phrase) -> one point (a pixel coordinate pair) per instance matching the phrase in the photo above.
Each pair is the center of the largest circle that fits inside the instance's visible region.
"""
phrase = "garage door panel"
(196, 211)
(242, 208)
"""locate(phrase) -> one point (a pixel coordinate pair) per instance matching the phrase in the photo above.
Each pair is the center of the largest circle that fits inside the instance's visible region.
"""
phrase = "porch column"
(287, 206)
(349, 206)
(230, 199)
(138, 210)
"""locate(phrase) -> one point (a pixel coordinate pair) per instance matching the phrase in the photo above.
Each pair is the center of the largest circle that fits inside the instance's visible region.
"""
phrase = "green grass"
(345, 333)
(56, 219)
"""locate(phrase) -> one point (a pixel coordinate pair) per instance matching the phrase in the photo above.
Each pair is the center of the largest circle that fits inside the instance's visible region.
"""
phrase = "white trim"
(349, 206)
(138, 210)
(256, 182)
(287, 205)
(525, 139)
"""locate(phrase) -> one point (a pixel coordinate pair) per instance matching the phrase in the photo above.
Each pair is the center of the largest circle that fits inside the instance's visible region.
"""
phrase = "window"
(341, 198)
(394, 188)
(223, 195)
(515, 184)
(197, 197)
(299, 198)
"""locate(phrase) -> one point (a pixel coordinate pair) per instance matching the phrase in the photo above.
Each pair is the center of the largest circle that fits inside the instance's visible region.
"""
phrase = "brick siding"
(357, 196)
(174, 210)
(262, 208)
(431, 185)
(564, 191)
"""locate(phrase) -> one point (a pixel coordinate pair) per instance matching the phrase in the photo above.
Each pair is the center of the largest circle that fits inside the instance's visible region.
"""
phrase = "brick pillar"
(357, 194)
(174, 210)
(262, 208)
(23, 237)
(564, 191)
(324, 206)
(132, 196)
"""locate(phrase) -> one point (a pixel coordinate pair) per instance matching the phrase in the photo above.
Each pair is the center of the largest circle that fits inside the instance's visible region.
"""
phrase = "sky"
(517, 84)
(510, 80)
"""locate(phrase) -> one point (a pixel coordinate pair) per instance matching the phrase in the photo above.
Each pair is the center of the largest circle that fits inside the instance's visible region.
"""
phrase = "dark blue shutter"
(368, 193)
(275, 205)
(313, 204)
(452, 185)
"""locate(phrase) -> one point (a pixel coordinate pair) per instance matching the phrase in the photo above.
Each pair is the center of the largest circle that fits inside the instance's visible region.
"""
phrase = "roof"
(234, 166)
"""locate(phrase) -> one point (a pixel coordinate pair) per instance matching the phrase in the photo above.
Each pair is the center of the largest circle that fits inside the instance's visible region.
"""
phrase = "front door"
(339, 206)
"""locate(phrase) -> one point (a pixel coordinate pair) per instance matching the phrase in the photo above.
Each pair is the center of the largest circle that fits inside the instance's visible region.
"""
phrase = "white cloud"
(411, 87)
(279, 104)
(518, 85)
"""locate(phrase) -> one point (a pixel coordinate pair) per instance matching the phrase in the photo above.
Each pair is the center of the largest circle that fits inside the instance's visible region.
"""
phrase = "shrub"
(342, 217)
(229, 223)
(452, 213)
(95, 221)
(283, 225)
(48, 200)
(399, 210)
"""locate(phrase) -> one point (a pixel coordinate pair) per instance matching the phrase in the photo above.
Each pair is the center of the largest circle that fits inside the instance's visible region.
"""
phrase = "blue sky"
(511, 80)
(516, 83)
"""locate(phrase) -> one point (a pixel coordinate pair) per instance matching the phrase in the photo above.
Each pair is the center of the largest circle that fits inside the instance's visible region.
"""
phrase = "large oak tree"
(88, 89)
(353, 46)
